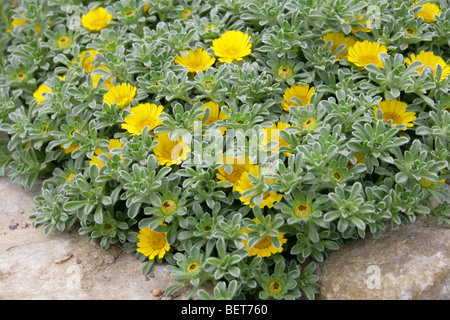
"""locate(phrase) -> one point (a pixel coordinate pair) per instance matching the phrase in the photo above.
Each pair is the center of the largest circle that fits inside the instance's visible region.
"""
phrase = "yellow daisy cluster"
(240, 180)
(362, 53)
(231, 46)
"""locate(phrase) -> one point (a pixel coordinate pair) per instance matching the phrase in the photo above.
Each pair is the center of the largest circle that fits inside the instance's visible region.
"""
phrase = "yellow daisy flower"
(360, 28)
(273, 134)
(428, 184)
(265, 247)
(88, 66)
(196, 60)
(232, 46)
(146, 7)
(215, 114)
(123, 94)
(96, 78)
(38, 94)
(239, 167)
(244, 184)
(169, 152)
(360, 158)
(37, 28)
(338, 38)
(152, 243)
(87, 62)
(302, 92)
(364, 52)
(144, 114)
(429, 10)
(71, 149)
(18, 22)
(96, 19)
(396, 111)
(113, 144)
(429, 59)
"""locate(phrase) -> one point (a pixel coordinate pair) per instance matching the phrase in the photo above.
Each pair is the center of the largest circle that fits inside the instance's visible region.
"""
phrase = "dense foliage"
(339, 111)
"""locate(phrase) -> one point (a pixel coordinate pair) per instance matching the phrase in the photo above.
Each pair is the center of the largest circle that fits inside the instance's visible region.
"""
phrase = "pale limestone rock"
(409, 263)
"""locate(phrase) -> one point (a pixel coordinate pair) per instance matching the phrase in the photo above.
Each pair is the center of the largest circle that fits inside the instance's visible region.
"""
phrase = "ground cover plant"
(236, 141)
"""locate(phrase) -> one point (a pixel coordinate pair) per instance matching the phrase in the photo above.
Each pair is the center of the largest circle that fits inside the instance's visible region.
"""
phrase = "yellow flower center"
(193, 268)
(235, 175)
(168, 207)
(64, 42)
(210, 27)
(21, 76)
(275, 287)
(167, 150)
(196, 65)
(410, 31)
(232, 52)
(365, 60)
(264, 243)
(70, 177)
(302, 210)
(425, 183)
(158, 240)
(145, 122)
(108, 226)
(285, 72)
(186, 14)
(309, 124)
(337, 175)
(396, 119)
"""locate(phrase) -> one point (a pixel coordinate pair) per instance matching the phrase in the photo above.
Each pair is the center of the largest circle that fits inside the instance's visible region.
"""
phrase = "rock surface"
(409, 263)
